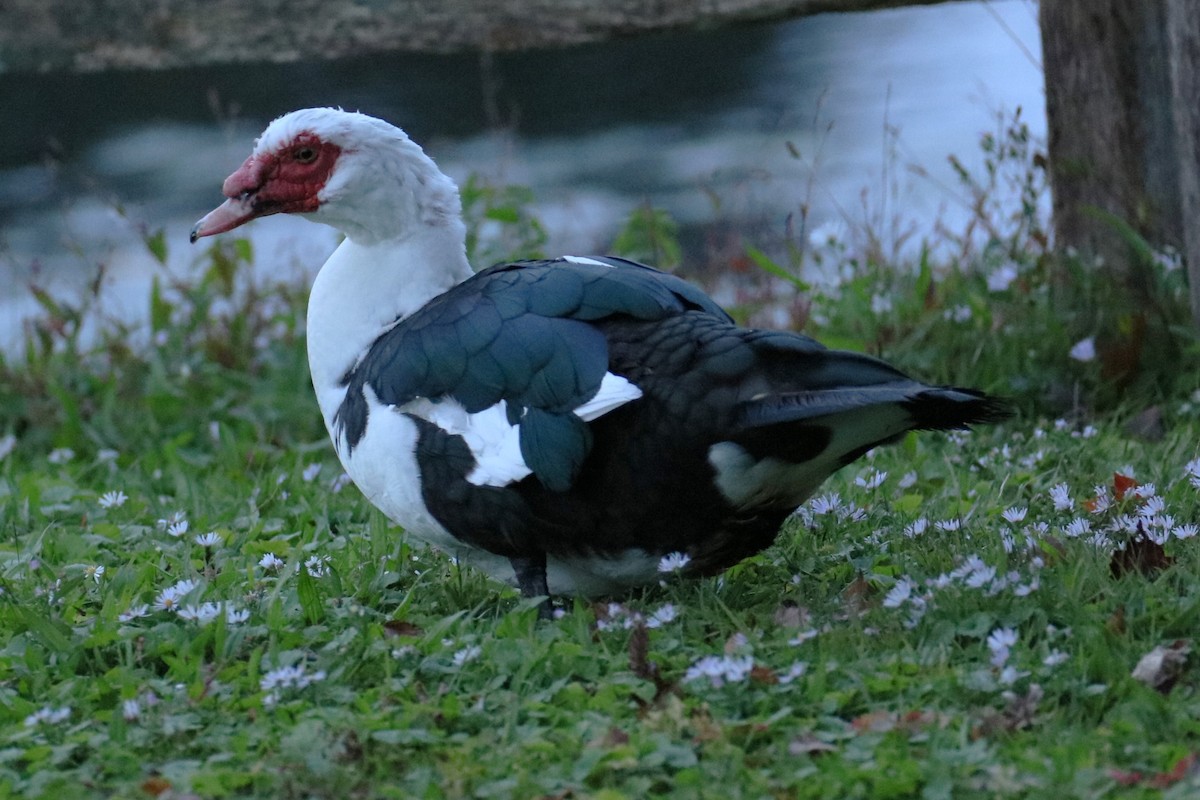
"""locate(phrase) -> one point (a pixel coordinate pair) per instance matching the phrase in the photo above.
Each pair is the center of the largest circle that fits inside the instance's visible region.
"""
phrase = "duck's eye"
(305, 155)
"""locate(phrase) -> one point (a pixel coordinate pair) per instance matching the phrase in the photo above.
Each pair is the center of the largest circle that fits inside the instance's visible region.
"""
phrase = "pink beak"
(240, 208)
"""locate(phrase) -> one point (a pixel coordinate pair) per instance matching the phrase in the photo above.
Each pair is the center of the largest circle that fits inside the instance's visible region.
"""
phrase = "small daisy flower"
(1186, 531)
(208, 540)
(112, 499)
(999, 642)
(466, 655)
(665, 613)
(339, 483)
(271, 562)
(8, 443)
(1014, 514)
(673, 562)
(720, 669)
(908, 480)
(1084, 350)
(796, 670)
(203, 613)
(311, 472)
(873, 480)
(1054, 658)
(235, 616)
(317, 566)
(48, 716)
(1060, 496)
(948, 525)
(292, 677)
(916, 528)
(826, 504)
(899, 594)
(131, 710)
(1002, 278)
(178, 529)
(95, 572)
(61, 455)
(133, 612)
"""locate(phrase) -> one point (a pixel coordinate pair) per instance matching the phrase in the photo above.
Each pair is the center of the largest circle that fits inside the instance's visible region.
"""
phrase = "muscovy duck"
(563, 423)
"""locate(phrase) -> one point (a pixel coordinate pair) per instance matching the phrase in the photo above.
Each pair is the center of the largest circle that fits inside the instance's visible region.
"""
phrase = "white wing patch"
(614, 392)
(585, 260)
(495, 444)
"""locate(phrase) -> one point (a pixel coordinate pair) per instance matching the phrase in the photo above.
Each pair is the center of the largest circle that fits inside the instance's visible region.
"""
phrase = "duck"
(568, 425)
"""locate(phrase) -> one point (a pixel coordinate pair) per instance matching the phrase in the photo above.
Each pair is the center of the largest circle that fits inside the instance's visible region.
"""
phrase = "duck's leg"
(531, 579)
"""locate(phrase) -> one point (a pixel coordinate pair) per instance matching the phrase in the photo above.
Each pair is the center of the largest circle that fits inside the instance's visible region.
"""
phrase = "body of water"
(705, 125)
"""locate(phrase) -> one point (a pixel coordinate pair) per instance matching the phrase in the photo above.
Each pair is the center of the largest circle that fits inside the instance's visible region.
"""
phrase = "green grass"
(890, 645)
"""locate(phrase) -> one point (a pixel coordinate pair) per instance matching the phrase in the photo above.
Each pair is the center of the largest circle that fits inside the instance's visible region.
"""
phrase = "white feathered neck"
(405, 239)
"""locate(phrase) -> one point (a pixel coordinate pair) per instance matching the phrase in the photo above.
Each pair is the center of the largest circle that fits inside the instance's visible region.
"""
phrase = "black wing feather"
(520, 332)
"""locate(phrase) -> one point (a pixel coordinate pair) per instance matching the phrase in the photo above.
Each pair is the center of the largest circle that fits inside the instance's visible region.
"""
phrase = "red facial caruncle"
(286, 180)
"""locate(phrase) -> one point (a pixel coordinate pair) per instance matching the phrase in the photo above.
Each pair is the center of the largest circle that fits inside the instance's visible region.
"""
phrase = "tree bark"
(1183, 47)
(1124, 128)
(47, 35)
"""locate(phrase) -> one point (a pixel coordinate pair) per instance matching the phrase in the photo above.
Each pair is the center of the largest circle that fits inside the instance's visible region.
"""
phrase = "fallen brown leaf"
(1141, 554)
(399, 627)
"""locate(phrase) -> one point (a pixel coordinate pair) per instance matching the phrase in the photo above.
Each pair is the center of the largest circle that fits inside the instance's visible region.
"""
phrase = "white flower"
(948, 525)
(235, 616)
(8, 443)
(980, 576)
(826, 503)
(827, 233)
(178, 529)
(1060, 496)
(908, 480)
(898, 594)
(339, 483)
(317, 566)
(171, 519)
(881, 304)
(1009, 675)
(133, 612)
(207, 540)
(1186, 531)
(270, 561)
(112, 499)
(131, 710)
(168, 599)
(803, 636)
(999, 642)
(959, 313)
(673, 562)
(916, 528)
(1084, 349)
(666, 613)
(1147, 491)
(1088, 431)
(1014, 514)
(203, 613)
(796, 670)
(311, 472)
(720, 669)
(60, 455)
(467, 654)
(1192, 468)
(95, 572)
(871, 481)
(1055, 658)
(1002, 278)
(293, 677)
(48, 716)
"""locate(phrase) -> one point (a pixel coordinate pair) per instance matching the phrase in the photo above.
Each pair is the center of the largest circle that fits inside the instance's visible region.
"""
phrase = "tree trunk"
(44, 35)
(1121, 104)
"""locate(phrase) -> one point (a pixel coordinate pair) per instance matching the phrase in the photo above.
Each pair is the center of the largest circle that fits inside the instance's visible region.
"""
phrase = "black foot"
(531, 579)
